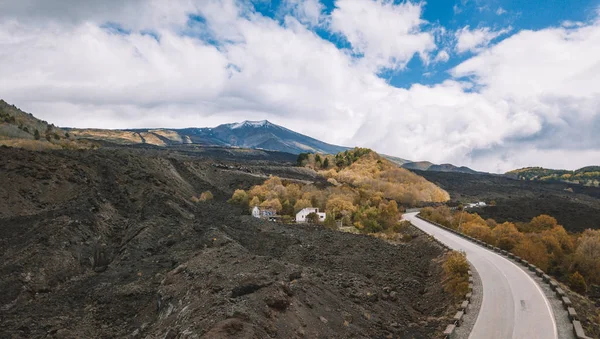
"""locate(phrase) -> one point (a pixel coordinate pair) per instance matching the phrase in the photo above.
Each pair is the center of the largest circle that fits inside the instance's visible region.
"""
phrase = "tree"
(506, 235)
(577, 283)
(587, 255)
(326, 163)
(36, 134)
(388, 214)
(254, 202)
(330, 221)
(273, 204)
(339, 205)
(541, 223)
(239, 197)
(531, 248)
(312, 218)
(301, 204)
(302, 159)
(287, 208)
(67, 135)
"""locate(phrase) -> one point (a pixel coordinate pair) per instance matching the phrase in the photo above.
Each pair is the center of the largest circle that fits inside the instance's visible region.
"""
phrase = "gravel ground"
(469, 319)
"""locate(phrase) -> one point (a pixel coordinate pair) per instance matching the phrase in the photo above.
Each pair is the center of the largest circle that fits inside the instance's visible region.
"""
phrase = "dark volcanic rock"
(107, 243)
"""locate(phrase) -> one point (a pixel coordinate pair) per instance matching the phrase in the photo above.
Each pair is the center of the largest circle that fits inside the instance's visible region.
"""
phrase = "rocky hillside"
(588, 176)
(20, 129)
(109, 243)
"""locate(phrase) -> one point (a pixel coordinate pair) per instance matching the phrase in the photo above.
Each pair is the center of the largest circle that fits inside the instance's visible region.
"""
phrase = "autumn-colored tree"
(273, 204)
(577, 283)
(388, 214)
(506, 236)
(340, 205)
(475, 230)
(254, 202)
(301, 204)
(239, 197)
(587, 255)
(531, 248)
(541, 223)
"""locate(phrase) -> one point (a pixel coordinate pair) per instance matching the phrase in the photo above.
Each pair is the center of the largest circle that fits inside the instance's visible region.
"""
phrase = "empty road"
(513, 304)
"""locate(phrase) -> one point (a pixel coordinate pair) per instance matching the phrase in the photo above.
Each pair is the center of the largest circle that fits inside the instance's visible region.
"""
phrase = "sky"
(490, 84)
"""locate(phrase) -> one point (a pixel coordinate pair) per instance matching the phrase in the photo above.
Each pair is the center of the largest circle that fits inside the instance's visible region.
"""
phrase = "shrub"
(206, 196)
(312, 218)
(239, 197)
(577, 283)
(456, 268)
(36, 134)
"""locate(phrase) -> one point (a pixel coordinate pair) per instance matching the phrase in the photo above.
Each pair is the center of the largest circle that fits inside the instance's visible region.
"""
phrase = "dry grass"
(152, 139)
(111, 135)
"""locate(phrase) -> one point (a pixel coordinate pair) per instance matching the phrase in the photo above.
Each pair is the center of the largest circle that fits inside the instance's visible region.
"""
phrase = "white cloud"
(532, 99)
(387, 34)
(309, 12)
(500, 11)
(442, 56)
(476, 39)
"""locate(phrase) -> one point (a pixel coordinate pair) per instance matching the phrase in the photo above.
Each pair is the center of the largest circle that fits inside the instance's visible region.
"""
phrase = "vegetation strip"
(464, 305)
(577, 327)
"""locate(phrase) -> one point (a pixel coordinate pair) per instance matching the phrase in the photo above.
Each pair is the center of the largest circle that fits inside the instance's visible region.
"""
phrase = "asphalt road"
(513, 305)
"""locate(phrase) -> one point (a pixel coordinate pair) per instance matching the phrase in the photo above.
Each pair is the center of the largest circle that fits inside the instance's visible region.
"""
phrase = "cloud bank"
(530, 98)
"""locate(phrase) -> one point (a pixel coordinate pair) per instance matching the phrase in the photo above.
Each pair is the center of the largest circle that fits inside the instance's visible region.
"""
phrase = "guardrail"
(464, 305)
(560, 293)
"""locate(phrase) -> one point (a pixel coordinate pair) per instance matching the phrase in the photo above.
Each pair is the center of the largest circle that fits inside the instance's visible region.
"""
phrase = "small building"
(301, 216)
(476, 205)
(264, 213)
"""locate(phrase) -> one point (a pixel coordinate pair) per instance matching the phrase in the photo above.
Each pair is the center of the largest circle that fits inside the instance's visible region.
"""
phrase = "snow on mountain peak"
(247, 123)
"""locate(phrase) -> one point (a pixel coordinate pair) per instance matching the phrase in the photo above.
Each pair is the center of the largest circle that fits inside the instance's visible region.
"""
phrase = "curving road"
(513, 304)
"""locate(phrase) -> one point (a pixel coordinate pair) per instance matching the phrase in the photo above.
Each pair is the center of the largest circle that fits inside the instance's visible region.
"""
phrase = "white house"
(476, 205)
(301, 216)
(264, 213)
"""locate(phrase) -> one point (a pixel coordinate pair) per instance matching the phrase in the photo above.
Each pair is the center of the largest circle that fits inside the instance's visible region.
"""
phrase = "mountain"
(587, 176)
(428, 166)
(247, 134)
(21, 129)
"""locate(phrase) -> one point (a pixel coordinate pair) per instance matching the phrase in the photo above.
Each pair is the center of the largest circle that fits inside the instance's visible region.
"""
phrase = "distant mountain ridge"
(428, 166)
(247, 134)
(587, 176)
(17, 129)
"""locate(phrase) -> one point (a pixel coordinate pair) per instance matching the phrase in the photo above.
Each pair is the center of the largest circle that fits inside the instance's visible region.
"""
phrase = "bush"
(205, 196)
(312, 218)
(577, 283)
(36, 134)
(239, 197)
(456, 268)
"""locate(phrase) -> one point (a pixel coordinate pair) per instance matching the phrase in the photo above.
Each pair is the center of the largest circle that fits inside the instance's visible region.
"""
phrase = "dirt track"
(179, 269)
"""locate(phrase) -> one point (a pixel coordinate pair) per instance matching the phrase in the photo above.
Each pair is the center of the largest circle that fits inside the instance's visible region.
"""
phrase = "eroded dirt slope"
(175, 269)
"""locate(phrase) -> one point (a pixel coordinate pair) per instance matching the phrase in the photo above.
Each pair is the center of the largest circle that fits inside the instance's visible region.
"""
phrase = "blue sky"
(453, 15)
(490, 84)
